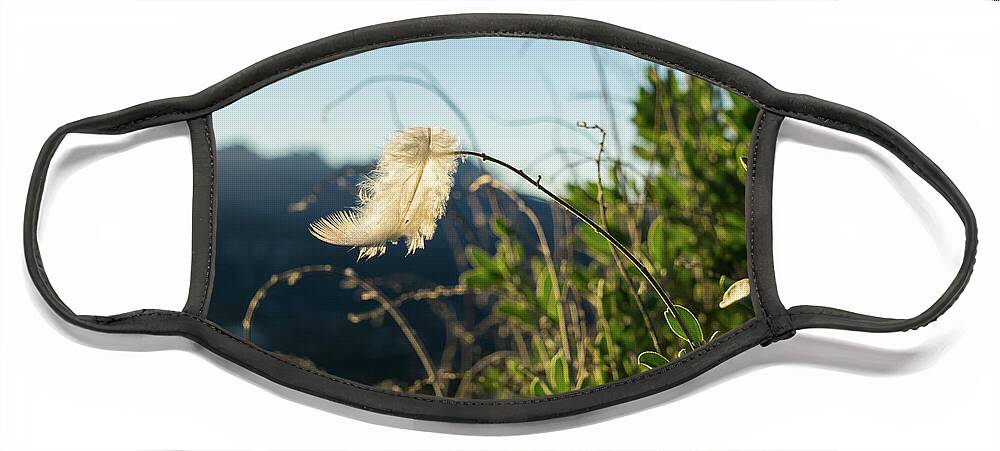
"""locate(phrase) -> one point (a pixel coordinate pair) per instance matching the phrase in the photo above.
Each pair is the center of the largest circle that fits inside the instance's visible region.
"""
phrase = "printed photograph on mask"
(482, 218)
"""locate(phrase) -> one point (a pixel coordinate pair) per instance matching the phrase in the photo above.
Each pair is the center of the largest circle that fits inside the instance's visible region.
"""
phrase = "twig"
(293, 275)
(418, 295)
(411, 335)
(463, 385)
(606, 98)
(618, 262)
(543, 245)
(635, 261)
(597, 228)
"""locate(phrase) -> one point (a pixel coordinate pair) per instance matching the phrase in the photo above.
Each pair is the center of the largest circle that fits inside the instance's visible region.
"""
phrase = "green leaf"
(598, 376)
(690, 321)
(604, 344)
(480, 259)
(579, 279)
(681, 237)
(736, 292)
(501, 228)
(538, 388)
(677, 192)
(514, 368)
(596, 243)
(545, 291)
(644, 153)
(724, 282)
(518, 311)
(538, 346)
(557, 373)
(490, 379)
(656, 241)
(510, 254)
(651, 359)
(481, 278)
(734, 219)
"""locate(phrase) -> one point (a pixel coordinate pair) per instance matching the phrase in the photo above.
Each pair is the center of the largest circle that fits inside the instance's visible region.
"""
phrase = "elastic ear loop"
(858, 123)
(107, 124)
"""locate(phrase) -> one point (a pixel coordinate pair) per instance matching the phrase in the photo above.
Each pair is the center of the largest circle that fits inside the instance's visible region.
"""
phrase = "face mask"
(486, 218)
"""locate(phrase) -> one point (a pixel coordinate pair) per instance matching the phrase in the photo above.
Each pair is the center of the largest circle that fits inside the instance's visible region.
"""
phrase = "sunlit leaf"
(541, 353)
(510, 254)
(501, 228)
(690, 321)
(557, 373)
(644, 153)
(680, 236)
(538, 388)
(490, 378)
(736, 292)
(518, 311)
(481, 278)
(734, 219)
(545, 291)
(656, 241)
(595, 242)
(675, 191)
(480, 259)
(513, 367)
(579, 279)
(651, 359)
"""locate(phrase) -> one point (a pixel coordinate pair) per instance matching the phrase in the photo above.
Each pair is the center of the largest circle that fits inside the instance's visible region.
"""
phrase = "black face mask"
(486, 218)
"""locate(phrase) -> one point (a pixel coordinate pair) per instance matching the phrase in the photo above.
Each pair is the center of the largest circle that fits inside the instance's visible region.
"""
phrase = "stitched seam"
(838, 314)
(211, 217)
(753, 222)
(648, 374)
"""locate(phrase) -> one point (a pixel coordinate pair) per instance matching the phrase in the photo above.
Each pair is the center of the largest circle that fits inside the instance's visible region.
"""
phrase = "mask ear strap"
(852, 121)
(149, 321)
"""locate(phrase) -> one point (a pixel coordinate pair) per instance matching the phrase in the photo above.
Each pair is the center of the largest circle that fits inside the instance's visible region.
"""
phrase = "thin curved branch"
(428, 85)
(418, 295)
(543, 245)
(597, 228)
(618, 261)
(481, 364)
(293, 275)
(411, 335)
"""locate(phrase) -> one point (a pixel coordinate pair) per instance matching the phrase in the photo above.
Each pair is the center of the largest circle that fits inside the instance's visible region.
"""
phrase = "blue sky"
(521, 98)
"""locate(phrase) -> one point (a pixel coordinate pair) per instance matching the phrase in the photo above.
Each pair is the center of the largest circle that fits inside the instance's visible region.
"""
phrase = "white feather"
(403, 197)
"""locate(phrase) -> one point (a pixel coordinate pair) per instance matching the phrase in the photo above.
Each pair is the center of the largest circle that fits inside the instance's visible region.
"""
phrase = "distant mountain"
(258, 235)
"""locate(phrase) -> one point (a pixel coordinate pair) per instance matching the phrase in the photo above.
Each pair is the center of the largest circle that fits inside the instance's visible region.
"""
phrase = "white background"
(852, 229)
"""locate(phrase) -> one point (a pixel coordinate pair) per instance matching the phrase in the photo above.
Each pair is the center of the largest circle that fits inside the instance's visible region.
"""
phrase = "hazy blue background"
(522, 98)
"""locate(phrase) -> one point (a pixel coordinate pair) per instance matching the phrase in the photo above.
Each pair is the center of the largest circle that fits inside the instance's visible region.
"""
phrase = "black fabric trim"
(203, 205)
(760, 170)
(197, 108)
